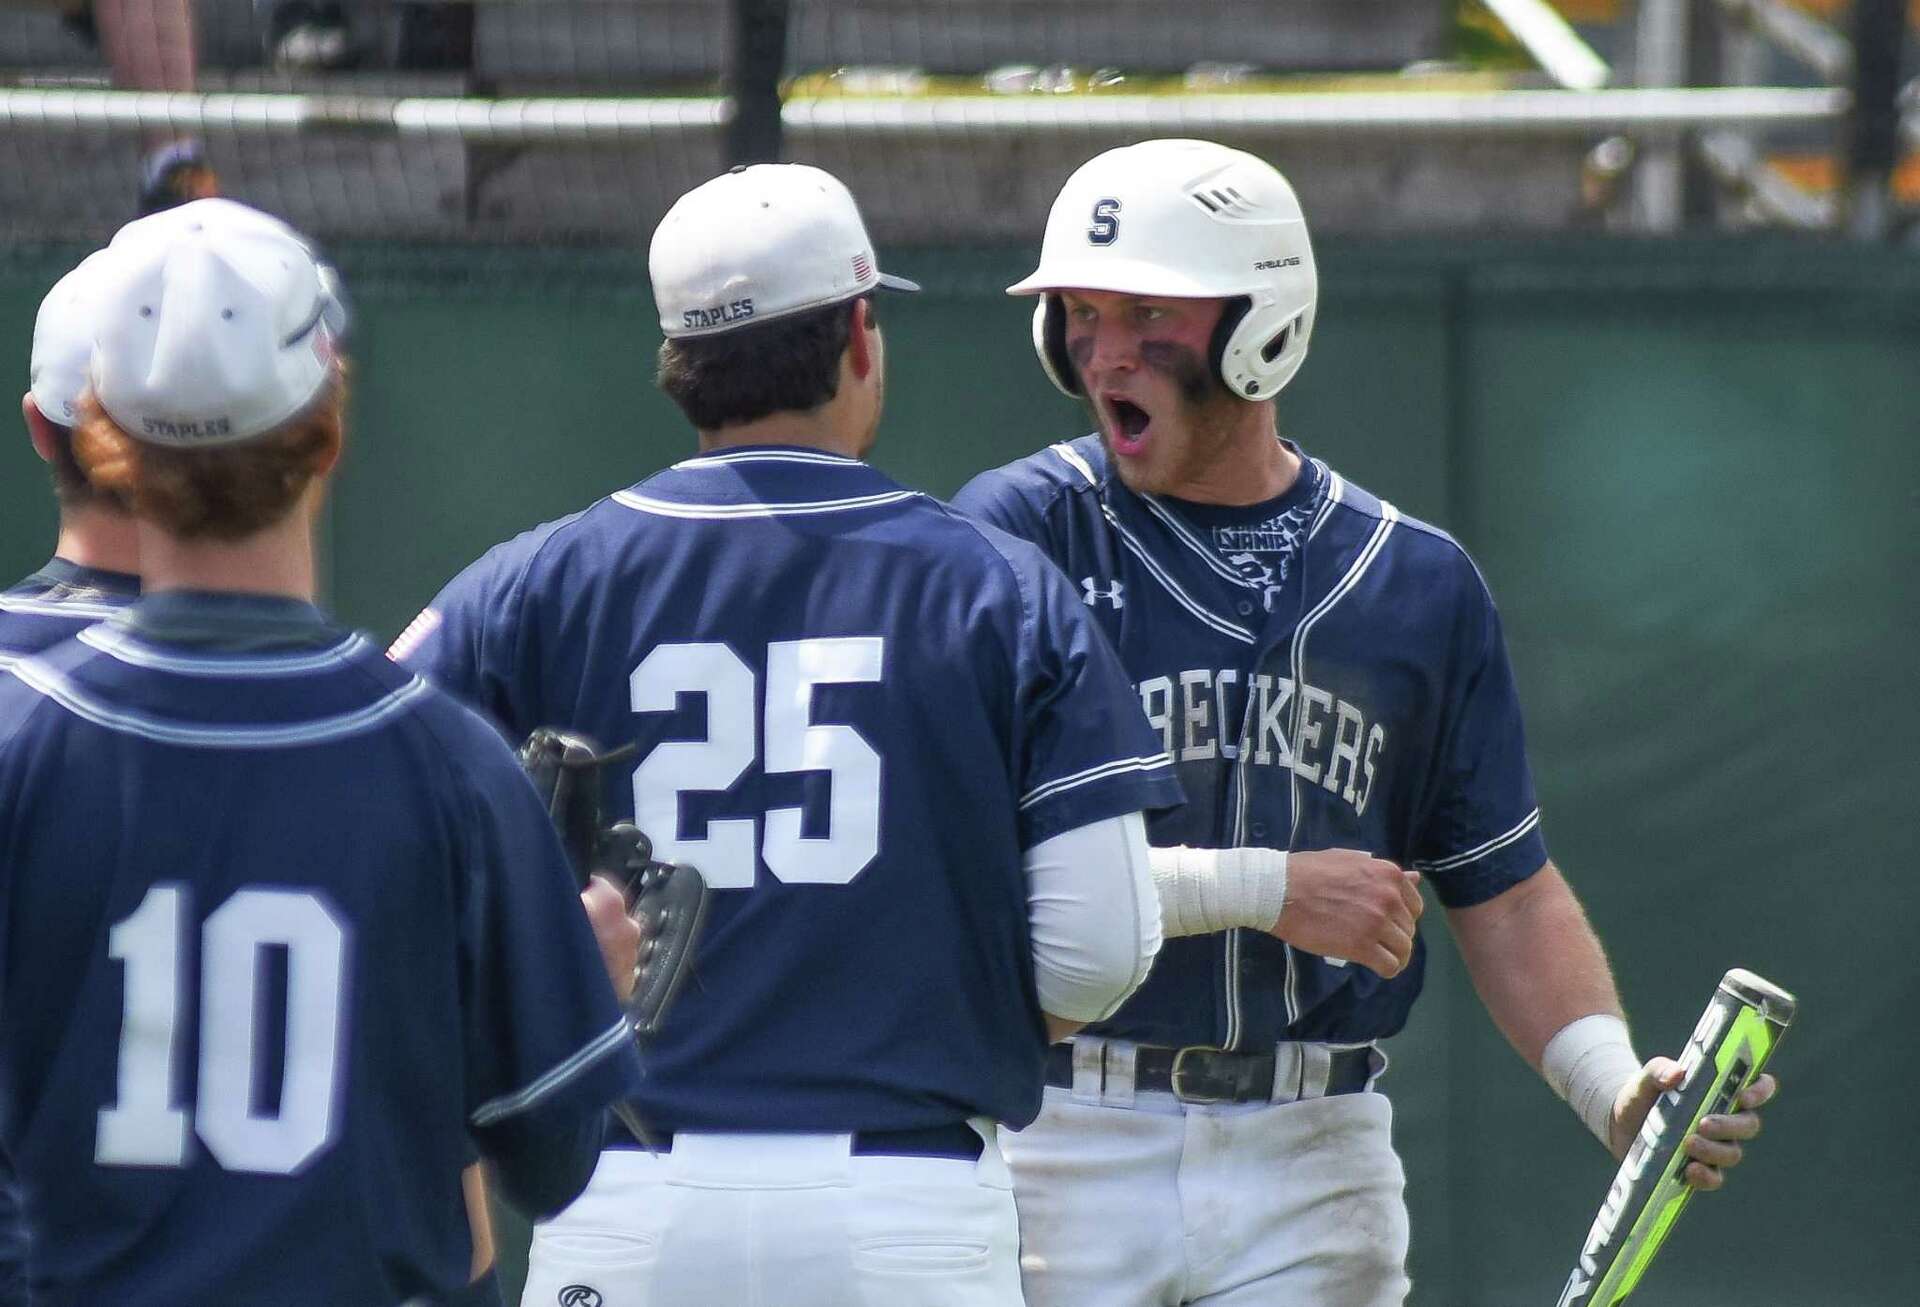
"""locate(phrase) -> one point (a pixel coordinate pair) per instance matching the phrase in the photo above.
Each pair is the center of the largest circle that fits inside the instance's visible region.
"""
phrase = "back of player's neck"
(815, 430)
(99, 538)
(277, 561)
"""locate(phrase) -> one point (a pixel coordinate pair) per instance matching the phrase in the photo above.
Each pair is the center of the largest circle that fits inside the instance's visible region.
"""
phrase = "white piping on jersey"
(768, 456)
(37, 607)
(1336, 492)
(1332, 495)
(1092, 774)
(1208, 555)
(1211, 557)
(1389, 516)
(729, 512)
(1233, 989)
(1071, 457)
(1232, 960)
(1171, 586)
(9, 659)
(320, 730)
(1494, 845)
(556, 1079)
(125, 648)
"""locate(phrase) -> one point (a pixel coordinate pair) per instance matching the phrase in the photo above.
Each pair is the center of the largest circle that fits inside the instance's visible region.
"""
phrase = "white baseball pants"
(781, 1221)
(1164, 1203)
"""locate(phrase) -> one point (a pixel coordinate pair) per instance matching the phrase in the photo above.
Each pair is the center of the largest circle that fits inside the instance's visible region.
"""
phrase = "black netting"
(571, 121)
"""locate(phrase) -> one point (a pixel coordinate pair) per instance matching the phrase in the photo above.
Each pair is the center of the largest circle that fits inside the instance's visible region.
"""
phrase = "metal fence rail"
(612, 120)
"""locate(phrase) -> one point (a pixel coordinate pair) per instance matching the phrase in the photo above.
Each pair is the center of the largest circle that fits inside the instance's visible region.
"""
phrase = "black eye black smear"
(1180, 363)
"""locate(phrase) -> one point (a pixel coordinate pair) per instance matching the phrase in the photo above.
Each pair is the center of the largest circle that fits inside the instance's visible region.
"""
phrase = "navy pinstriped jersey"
(284, 936)
(54, 603)
(853, 710)
(1347, 688)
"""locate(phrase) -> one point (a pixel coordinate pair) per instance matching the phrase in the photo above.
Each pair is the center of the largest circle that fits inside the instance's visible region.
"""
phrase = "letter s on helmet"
(1187, 219)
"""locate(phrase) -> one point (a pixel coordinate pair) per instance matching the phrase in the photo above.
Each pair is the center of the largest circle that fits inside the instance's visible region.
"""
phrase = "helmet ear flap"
(1050, 343)
(1232, 314)
(1256, 353)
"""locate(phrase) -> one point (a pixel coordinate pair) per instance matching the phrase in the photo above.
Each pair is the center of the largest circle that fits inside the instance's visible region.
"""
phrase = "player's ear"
(327, 459)
(39, 430)
(333, 419)
(861, 340)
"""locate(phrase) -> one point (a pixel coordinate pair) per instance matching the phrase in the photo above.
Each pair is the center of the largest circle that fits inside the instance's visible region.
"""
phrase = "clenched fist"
(1343, 903)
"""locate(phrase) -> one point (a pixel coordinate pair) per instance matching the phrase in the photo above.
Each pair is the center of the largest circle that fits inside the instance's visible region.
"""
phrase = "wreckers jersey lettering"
(853, 710)
(1371, 707)
(283, 937)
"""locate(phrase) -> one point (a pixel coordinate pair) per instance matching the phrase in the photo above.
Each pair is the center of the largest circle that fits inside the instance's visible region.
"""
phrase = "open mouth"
(1126, 423)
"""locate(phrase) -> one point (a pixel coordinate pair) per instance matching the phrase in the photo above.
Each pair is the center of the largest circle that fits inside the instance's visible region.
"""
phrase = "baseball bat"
(1735, 1036)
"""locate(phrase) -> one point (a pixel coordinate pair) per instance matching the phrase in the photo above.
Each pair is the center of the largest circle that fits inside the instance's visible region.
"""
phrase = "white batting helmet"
(1187, 219)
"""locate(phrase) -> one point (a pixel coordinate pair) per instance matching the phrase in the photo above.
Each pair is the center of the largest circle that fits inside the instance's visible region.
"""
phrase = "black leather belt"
(1197, 1074)
(959, 1140)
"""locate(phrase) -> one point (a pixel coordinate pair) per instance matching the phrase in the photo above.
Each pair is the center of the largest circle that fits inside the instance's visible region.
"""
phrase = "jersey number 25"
(725, 855)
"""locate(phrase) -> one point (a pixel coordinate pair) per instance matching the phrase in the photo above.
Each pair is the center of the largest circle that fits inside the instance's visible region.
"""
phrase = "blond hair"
(227, 492)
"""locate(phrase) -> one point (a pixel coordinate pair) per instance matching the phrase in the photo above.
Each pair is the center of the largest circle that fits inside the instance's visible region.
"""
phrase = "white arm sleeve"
(1093, 915)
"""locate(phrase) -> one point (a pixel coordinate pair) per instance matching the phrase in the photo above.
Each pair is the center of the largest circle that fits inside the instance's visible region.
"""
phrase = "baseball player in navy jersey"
(91, 575)
(285, 934)
(1330, 676)
(891, 739)
(95, 563)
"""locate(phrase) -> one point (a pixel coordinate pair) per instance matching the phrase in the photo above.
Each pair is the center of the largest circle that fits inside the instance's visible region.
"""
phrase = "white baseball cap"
(760, 242)
(211, 327)
(63, 341)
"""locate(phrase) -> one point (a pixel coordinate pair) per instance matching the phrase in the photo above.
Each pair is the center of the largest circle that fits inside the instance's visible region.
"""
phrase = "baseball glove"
(668, 899)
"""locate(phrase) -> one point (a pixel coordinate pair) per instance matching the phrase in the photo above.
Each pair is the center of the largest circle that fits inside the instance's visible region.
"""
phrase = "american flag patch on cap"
(862, 268)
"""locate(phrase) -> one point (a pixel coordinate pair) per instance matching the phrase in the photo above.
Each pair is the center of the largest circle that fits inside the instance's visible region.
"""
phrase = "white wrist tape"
(1587, 1063)
(1207, 890)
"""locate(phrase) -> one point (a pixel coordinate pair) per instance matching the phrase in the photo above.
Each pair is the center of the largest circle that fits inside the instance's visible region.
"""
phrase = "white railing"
(588, 121)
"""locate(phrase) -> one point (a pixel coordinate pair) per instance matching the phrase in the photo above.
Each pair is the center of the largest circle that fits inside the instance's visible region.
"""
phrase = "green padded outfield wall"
(1692, 476)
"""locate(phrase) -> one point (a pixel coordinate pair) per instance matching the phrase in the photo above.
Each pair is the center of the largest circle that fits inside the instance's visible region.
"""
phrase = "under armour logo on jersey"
(1112, 594)
(580, 1295)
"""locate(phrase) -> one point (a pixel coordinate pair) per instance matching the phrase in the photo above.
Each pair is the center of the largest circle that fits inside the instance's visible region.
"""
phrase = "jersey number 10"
(141, 1127)
(726, 854)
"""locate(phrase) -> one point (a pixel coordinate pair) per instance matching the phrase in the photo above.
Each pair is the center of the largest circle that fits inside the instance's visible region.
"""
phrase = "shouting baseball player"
(891, 739)
(287, 932)
(1331, 678)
